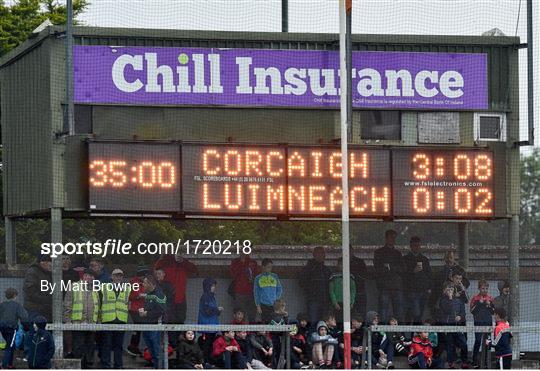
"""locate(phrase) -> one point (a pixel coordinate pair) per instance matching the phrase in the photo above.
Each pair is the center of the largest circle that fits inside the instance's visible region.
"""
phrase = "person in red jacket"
(227, 353)
(243, 272)
(421, 352)
(136, 301)
(177, 270)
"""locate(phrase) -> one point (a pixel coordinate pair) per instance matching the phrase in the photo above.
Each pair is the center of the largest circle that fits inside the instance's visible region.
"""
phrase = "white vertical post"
(344, 8)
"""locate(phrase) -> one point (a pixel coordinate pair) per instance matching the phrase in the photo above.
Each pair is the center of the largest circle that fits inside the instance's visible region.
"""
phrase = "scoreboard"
(290, 181)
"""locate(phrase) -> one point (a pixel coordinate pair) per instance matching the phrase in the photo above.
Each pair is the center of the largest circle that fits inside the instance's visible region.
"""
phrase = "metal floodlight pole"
(345, 7)
(530, 71)
(284, 15)
(70, 109)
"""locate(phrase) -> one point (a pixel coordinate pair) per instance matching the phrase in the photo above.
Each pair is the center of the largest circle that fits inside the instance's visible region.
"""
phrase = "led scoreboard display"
(443, 183)
(279, 180)
(290, 181)
(129, 176)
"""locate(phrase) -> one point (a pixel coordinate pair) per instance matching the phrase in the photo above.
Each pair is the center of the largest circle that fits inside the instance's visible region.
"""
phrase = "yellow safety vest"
(77, 309)
(113, 307)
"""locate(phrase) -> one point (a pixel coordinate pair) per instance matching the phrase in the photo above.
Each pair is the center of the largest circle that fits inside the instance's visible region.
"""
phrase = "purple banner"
(277, 78)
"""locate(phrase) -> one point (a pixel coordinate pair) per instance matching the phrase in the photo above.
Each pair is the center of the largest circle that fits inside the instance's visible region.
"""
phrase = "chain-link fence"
(186, 176)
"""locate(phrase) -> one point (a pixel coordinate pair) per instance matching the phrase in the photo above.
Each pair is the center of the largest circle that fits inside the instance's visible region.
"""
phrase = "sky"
(423, 17)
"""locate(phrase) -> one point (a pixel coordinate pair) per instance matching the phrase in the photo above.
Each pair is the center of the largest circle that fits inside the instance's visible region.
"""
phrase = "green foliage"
(530, 199)
(17, 21)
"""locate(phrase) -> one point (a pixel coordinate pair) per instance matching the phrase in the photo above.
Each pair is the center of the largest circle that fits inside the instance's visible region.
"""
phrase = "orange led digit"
(482, 167)
(254, 197)
(362, 165)
(462, 200)
(299, 195)
(383, 199)
(440, 204)
(462, 167)
(118, 177)
(166, 175)
(101, 172)
(316, 164)
(335, 162)
(228, 204)
(206, 199)
(232, 163)
(313, 198)
(147, 174)
(421, 200)
(253, 161)
(421, 171)
(275, 195)
(209, 153)
(269, 167)
(360, 191)
(439, 167)
(336, 198)
(484, 196)
(296, 162)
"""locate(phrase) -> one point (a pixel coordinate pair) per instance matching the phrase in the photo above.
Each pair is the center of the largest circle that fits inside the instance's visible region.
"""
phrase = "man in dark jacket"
(389, 268)
(243, 271)
(314, 280)
(360, 273)
(154, 309)
(42, 345)
(38, 302)
(418, 280)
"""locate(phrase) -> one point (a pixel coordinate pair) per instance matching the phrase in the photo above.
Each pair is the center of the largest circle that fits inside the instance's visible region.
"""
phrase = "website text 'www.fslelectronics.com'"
(119, 247)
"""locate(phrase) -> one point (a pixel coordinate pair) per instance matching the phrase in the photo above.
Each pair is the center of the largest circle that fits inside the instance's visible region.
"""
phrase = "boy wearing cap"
(82, 306)
(114, 310)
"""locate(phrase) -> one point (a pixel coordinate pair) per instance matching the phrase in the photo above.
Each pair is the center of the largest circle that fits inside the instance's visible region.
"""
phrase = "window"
(489, 127)
(382, 125)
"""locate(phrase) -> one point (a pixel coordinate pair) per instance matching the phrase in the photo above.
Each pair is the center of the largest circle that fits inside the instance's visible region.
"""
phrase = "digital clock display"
(134, 176)
(288, 181)
(449, 183)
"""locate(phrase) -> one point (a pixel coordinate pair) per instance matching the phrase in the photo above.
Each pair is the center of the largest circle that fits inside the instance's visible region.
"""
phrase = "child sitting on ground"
(335, 332)
(400, 344)
(262, 347)
(189, 355)
(421, 353)
(434, 340)
(323, 346)
(278, 317)
(298, 348)
(382, 350)
(226, 352)
(357, 337)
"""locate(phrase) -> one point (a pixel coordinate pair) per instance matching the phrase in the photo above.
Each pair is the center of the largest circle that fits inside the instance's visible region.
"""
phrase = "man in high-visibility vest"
(81, 305)
(114, 310)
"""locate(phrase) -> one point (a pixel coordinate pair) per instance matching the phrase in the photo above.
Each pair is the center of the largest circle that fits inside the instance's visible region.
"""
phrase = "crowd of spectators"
(409, 292)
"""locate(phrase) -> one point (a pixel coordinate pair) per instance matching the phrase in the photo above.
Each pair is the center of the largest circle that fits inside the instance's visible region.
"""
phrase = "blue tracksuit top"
(267, 289)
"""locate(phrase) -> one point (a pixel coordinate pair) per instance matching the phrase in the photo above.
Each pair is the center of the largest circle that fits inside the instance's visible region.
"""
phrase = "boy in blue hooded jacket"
(41, 345)
(209, 312)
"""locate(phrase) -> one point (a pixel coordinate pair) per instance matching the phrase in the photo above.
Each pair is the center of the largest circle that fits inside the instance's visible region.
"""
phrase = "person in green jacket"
(336, 291)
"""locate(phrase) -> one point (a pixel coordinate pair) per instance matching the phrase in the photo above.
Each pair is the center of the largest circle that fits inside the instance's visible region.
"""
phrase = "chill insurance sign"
(277, 78)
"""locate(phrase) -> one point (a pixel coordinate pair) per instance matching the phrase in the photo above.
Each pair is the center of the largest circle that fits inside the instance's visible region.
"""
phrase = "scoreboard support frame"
(463, 231)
